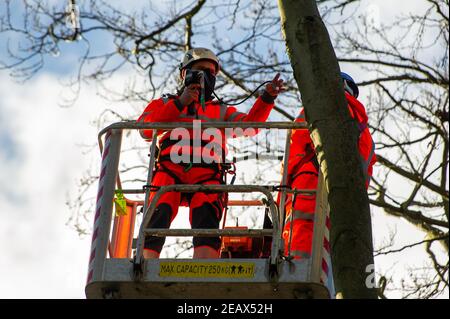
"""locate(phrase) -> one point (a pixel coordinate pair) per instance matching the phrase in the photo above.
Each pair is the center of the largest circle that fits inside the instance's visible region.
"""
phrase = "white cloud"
(42, 256)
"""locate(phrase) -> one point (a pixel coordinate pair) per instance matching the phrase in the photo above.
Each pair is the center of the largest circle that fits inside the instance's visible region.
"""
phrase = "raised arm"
(261, 109)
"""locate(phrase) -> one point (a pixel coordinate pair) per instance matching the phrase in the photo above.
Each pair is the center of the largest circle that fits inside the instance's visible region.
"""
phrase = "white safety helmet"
(198, 54)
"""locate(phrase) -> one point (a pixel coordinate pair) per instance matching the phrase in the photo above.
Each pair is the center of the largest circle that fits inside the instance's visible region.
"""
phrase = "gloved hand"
(190, 94)
(275, 87)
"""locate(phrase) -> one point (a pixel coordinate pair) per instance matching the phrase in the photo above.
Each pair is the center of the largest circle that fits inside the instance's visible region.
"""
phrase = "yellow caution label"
(207, 270)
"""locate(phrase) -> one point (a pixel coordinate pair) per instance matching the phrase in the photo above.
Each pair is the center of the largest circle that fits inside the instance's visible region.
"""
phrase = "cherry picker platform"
(117, 268)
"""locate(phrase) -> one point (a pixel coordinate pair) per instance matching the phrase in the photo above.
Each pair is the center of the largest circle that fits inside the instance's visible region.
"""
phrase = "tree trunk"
(335, 137)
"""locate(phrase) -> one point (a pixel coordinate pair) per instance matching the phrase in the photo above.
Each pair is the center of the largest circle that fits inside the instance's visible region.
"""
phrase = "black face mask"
(194, 76)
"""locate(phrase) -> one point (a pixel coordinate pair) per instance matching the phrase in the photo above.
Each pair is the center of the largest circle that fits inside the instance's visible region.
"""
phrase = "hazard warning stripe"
(105, 162)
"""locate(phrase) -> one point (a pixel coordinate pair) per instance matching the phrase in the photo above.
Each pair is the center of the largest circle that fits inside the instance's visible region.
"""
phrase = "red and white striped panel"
(326, 276)
(98, 209)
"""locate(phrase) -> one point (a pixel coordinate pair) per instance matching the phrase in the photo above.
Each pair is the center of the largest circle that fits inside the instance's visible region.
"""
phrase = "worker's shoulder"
(163, 99)
(353, 101)
(166, 97)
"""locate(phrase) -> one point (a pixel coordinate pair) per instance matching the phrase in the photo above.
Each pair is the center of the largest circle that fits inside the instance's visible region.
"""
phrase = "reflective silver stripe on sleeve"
(142, 120)
(223, 112)
(298, 214)
(372, 151)
(366, 163)
(234, 115)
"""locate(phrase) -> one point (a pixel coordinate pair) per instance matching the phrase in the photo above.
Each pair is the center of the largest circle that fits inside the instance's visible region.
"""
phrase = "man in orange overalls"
(303, 169)
(195, 159)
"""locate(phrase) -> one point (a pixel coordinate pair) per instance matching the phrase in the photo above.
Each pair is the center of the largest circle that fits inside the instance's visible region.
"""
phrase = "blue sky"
(42, 162)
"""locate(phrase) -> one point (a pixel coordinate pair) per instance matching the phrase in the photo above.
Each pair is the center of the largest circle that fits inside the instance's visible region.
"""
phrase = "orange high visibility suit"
(303, 174)
(205, 152)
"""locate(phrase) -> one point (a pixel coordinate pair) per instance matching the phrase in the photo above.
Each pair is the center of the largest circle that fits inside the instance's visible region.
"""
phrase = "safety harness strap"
(217, 170)
(310, 156)
(168, 142)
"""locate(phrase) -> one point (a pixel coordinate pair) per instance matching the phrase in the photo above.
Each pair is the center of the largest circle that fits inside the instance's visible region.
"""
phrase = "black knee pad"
(206, 217)
(160, 219)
